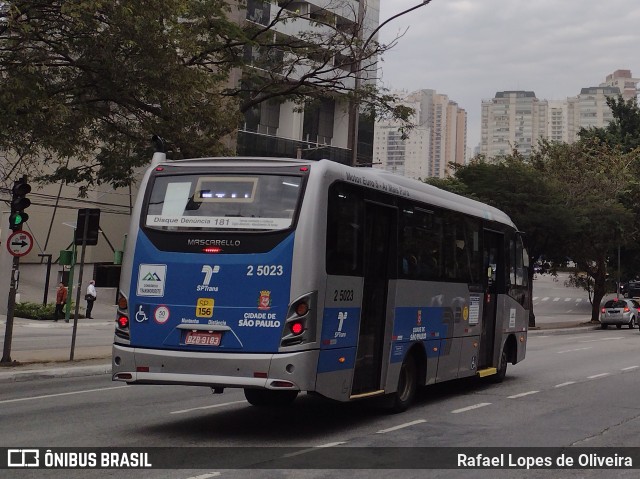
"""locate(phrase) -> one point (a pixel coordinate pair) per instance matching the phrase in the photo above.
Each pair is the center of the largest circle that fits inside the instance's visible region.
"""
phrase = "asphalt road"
(577, 389)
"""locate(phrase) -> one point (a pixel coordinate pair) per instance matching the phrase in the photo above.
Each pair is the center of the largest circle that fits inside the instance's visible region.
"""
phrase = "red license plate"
(202, 338)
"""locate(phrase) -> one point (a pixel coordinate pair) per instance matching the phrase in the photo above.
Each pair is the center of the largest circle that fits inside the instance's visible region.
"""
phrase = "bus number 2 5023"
(343, 295)
(265, 270)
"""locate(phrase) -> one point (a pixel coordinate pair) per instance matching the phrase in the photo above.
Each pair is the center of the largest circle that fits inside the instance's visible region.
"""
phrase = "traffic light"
(19, 203)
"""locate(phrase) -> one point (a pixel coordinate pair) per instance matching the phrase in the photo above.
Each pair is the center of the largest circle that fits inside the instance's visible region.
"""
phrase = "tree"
(595, 179)
(623, 130)
(532, 200)
(92, 80)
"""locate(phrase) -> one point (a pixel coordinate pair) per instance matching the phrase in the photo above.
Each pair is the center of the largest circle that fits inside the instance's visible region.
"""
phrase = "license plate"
(202, 338)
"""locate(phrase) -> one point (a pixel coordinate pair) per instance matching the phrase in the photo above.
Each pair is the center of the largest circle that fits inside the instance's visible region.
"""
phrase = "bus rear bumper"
(286, 371)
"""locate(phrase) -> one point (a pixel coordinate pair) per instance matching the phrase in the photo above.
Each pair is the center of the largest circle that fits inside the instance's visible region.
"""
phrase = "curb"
(55, 372)
(29, 371)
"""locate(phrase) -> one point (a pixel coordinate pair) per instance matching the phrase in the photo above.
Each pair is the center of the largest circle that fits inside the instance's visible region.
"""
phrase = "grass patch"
(38, 311)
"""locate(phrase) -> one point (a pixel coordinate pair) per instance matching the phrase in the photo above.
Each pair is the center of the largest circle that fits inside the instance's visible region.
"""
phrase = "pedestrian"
(61, 300)
(90, 297)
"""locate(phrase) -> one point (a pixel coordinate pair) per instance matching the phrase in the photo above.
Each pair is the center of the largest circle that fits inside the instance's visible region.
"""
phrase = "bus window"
(344, 230)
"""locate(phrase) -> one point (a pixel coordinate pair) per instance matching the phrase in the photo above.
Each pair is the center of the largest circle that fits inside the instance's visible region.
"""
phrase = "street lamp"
(355, 120)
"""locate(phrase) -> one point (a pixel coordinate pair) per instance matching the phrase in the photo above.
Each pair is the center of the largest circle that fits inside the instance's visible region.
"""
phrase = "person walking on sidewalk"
(61, 300)
(90, 297)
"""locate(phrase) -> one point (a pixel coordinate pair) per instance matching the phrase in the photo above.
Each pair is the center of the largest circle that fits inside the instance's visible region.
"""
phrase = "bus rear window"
(223, 202)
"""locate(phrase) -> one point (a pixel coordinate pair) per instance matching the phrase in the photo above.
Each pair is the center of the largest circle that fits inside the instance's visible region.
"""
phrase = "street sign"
(20, 243)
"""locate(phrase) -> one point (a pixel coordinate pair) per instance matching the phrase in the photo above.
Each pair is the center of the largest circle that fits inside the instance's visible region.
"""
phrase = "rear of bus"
(205, 296)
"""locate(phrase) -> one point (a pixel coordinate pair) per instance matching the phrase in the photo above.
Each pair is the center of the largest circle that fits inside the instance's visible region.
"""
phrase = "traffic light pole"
(79, 289)
(11, 305)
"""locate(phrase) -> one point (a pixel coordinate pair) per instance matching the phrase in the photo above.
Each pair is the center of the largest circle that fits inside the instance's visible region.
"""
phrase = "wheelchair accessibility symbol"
(141, 315)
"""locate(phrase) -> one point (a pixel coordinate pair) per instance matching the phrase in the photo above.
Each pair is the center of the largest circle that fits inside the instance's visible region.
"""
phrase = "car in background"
(632, 289)
(619, 311)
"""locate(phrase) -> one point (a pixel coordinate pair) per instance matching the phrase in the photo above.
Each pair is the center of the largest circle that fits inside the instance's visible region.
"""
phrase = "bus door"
(493, 279)
(379, 223)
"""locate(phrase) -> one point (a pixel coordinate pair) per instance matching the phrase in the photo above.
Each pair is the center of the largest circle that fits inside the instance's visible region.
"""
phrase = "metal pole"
(11, 304)
(355, 120)
(618, 289)
(46, 281)
(79, 290)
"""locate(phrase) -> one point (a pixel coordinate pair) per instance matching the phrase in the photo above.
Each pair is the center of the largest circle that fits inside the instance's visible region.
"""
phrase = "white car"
(619, 312)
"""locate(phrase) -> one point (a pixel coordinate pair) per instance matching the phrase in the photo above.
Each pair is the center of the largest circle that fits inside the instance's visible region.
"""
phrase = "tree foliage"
(624, 130)
(533, 201)
(595, 178)
(92, 80)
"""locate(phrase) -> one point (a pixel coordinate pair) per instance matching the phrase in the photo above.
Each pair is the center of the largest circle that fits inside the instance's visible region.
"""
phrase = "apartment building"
(512, 120)
(518, 119)
(324, 129)
(438, 139)
(624, 81)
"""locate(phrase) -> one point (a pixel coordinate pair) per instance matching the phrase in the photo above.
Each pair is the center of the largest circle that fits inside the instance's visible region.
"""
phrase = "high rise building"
(624, 81)
(517, 119)
(438, 138)
(512, 120)
(325, 128)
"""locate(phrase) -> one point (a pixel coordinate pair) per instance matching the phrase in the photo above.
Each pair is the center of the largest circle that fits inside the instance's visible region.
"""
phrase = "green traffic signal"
(19, 202)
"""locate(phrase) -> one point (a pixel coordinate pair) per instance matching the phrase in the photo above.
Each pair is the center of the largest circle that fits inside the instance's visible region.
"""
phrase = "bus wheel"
(407, 386)
(267, 397)
(502, 367)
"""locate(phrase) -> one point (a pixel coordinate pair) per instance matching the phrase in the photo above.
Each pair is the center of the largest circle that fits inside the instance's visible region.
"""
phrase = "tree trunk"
(599, 289)
(532, 316)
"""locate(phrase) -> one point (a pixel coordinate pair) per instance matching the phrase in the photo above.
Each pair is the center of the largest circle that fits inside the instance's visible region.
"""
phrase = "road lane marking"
(598, 376)
(572, 350)
(598, 340)
(205, 476)
(469, 408)
(567, 299)
(315, 448)
(556, 299)
(401, 426)
(7, 401)
(561, 385)
(546, 298)
(516, 396)
(212, 406)
(630, 368)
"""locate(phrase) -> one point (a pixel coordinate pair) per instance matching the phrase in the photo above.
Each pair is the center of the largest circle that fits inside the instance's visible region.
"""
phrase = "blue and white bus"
(282, 276)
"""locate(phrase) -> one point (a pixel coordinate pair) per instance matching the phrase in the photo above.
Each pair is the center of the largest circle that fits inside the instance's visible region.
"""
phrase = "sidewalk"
(51, 359)
(92, 361)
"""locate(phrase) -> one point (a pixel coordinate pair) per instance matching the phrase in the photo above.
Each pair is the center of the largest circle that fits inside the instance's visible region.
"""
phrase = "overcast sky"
(471, 49)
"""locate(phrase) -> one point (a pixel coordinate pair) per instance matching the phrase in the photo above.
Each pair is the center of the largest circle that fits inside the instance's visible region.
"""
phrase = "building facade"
(438, 138)
(512, 120)
(324, 129)
(517, 119)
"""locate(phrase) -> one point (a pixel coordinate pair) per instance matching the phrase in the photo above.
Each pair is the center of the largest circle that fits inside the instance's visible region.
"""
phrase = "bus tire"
(502, 366)
(407, 386)
(267, 397)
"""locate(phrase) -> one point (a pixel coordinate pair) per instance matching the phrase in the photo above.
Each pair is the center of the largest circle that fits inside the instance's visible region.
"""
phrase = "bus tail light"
(302, 308)
(123, 322)
(296, 328)
(603, 310)
(122, 319)
(300, 325)
(122, 302)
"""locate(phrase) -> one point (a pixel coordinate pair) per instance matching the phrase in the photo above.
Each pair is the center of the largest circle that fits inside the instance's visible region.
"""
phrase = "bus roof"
(385, 181)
